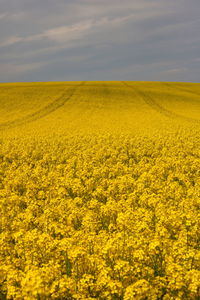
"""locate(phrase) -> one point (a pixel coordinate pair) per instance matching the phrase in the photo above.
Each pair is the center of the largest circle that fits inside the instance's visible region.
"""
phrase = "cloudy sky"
(58, 40)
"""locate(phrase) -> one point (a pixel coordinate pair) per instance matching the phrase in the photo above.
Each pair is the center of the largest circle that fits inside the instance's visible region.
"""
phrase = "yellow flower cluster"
(100, 217)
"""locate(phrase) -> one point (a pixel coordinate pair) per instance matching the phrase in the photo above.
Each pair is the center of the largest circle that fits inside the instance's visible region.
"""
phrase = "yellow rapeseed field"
(100, 191)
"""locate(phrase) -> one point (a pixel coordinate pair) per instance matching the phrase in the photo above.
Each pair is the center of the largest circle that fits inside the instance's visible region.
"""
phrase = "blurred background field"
(96, 106)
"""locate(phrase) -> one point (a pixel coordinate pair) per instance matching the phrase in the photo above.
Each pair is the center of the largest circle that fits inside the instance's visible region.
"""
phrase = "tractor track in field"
(159, 108)
(174, 86)
(49, 108)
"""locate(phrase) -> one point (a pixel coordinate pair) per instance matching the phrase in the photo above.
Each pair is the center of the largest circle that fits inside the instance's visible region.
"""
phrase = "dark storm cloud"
(43, 40)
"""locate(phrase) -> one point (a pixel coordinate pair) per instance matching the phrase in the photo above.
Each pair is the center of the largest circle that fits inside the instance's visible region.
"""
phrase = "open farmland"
(100, 190)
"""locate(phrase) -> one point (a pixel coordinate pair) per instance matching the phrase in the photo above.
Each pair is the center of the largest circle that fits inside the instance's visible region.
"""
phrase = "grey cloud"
(99, 39)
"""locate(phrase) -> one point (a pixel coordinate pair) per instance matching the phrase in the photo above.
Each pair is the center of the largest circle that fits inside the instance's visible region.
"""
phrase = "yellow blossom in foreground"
(99, 197)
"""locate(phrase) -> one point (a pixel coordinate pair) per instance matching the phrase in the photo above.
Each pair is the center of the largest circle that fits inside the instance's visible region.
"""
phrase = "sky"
(63, 40)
